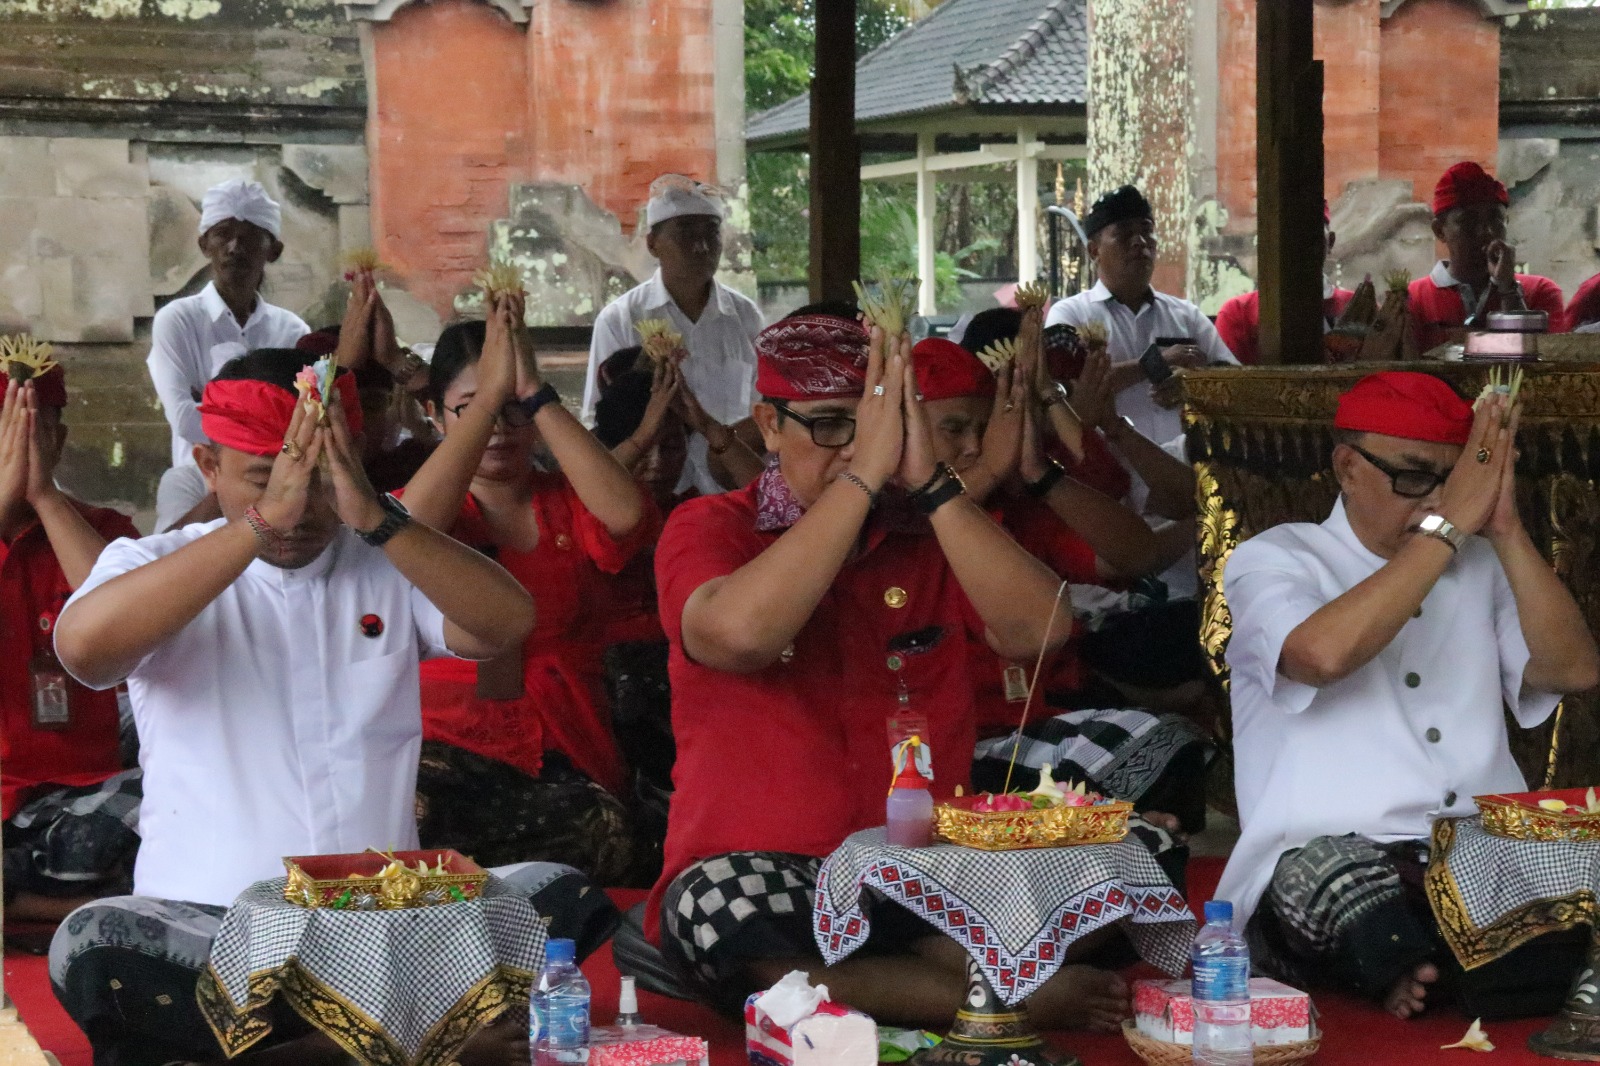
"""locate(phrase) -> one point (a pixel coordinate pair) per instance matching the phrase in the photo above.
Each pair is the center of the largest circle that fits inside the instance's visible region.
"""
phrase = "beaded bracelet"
(941, 472)
(859, 483)
(270, 538)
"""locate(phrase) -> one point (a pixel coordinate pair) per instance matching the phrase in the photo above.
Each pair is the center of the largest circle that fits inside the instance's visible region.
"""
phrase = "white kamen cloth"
(1410, 737)
(674, 195)
(271, 725)
(190, 339)
(1130, 334)
(721, 367)
(244, 200)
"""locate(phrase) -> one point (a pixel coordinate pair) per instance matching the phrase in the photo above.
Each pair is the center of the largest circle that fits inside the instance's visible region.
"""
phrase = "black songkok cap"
(1126, 203)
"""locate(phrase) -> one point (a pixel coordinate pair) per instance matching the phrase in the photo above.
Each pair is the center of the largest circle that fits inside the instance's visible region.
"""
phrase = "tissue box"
(1162, 1010)
(644, 1045)
(769, 1044)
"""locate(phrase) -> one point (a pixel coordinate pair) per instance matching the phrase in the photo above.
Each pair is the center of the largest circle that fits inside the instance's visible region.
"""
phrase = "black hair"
(272, 366)
(836, 308)
(460, 345)
(993, 324)
(625, 380)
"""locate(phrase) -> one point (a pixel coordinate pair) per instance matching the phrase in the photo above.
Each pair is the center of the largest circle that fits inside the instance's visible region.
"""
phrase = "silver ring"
(877, 390)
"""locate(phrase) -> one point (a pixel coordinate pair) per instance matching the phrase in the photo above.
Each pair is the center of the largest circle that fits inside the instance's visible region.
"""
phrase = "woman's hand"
(667, 389)
(527, 360)
(497, 365)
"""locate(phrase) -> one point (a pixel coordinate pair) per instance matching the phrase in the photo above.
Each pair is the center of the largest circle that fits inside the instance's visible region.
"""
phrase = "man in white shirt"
(193, 336)
(1370, 657)
(271, 657)
(1150, 333)
(719, 325)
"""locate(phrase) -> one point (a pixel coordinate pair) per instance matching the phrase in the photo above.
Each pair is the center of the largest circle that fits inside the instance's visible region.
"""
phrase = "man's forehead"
(833, 406)
(230, 226)
(1423, 452)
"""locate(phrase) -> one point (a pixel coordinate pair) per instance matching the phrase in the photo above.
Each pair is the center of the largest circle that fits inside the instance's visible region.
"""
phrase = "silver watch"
(1441, 528)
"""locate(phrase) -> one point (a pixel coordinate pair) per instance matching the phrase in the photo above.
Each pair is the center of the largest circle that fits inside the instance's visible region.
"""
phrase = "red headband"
(811, 357)
(947, 371)
(1404, 403)
(253, 416)
(1466, 184)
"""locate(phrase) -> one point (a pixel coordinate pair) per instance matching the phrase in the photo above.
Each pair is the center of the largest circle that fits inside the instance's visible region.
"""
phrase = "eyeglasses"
(1412, 484)
(827, 431)
(512, 414)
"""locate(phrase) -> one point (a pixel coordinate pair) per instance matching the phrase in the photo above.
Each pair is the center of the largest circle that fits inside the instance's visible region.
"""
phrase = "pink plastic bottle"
(909, 813)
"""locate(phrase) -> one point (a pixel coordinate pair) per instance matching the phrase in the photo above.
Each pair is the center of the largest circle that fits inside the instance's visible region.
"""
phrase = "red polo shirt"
(1585, 305)
(1436, 313)
(1239, 322)
(795, 757)
(32, 592)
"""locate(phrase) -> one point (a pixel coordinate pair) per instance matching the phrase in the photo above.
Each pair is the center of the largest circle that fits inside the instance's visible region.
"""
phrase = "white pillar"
(1027, 207)
(927, 210)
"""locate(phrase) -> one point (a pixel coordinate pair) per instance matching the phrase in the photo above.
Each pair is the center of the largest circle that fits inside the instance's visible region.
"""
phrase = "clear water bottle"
(558, 1009)
(1221, 991)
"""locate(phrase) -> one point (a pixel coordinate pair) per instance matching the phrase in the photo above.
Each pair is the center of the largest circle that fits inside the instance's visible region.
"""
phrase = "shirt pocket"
(383, 698)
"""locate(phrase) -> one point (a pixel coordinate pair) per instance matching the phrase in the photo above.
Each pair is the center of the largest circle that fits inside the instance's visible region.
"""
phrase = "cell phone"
(1154, 366)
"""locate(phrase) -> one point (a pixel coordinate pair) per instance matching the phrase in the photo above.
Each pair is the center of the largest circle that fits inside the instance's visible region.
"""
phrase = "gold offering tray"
(1047, 827)
(373, 881)
(1519, 816)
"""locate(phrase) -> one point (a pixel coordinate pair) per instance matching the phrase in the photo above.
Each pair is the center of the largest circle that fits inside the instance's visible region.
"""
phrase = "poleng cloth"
(393, 988)
(1491, 894)
(1014, 912)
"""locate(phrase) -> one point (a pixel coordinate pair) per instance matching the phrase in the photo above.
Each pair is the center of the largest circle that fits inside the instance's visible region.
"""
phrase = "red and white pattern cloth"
(1164, 1010)
(1015, 912)
(644, 1045)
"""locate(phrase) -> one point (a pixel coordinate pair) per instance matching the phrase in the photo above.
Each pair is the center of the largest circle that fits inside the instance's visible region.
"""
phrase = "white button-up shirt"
(1130, 334)
(271, 725)
(721, 368)
(1412, 736)
(191, 339)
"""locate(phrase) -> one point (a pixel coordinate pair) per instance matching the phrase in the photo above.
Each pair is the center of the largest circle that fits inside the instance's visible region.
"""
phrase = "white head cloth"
(244, 200)
(673, 195)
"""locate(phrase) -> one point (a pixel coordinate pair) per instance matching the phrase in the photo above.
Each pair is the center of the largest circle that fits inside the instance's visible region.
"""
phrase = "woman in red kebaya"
(518, 758)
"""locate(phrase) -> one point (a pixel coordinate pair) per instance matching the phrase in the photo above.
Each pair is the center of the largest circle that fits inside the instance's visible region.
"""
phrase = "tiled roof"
(1015, 53)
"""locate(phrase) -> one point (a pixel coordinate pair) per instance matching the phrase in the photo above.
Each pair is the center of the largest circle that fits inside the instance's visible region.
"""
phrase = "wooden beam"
(988, 156)
(1289, 173)
(835, 155)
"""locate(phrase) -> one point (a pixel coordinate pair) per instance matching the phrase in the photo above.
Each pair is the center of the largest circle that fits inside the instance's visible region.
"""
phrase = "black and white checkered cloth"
(1015, 912)
(1121, 752)
(1490, 894)
(402, 971)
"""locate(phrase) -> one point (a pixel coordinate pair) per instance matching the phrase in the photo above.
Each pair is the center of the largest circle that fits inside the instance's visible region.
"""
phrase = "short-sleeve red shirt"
(796, 756)
(1239, 322)
(1436, 312)
(32, 592)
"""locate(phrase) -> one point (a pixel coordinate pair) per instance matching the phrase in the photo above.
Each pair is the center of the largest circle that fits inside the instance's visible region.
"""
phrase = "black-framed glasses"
(1412, 484)
(512, 414)
(827, 431)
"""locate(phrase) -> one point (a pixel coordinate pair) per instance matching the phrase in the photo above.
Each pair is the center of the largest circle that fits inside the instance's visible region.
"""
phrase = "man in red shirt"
(70, 809)
(1239, 321)
(1469, 218)
(815, 618)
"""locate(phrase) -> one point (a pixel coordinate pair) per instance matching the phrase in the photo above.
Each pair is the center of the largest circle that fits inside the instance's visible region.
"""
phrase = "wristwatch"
(530, 406)
(1440, 528)
(395, 518)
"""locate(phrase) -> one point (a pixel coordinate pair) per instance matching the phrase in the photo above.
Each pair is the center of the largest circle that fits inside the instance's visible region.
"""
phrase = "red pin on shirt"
(371, 625)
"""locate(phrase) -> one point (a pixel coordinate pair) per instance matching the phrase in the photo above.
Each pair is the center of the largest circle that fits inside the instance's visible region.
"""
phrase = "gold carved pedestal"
(1260, 439)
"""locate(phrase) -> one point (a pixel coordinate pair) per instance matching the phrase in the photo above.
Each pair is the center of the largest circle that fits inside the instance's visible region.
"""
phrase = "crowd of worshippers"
(675, 650)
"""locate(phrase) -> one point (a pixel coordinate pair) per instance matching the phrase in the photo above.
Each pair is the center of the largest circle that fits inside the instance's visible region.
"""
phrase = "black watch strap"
(935, 498)
(395, 518)
(547, 394)
(1052, 475)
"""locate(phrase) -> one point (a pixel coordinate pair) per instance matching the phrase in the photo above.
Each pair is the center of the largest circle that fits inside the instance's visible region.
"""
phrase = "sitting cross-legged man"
(71, 810)
(271, 656)
(1371, 655)
(809, 614)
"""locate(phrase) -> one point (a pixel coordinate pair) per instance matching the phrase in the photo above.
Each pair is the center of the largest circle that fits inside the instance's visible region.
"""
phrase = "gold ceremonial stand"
(1575, 1033)
(988, 1033)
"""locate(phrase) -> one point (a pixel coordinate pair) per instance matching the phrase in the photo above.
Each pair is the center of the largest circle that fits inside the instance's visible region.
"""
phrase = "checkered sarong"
(1491, 894)
(394, 988)
(1119, 752)
(79, 835)
(712, 900)
(1319, 890)
(1015, 912)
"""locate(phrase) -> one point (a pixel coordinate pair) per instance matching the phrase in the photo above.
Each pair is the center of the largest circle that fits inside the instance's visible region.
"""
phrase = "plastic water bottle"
(558, 1010)
(1221, 991)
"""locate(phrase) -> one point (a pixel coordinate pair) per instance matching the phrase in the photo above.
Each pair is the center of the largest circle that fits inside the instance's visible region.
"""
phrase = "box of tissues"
(794, 1024)
(644, 1045)
(1163, 1010)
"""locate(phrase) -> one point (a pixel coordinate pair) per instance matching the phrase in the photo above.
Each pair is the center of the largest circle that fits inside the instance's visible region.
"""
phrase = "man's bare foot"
(1082, 997)
(1407, 995)
(1169, 822)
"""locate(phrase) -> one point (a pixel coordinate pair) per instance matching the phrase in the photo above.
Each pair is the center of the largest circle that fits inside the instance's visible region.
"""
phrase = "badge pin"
(895, 596)
(371, 625)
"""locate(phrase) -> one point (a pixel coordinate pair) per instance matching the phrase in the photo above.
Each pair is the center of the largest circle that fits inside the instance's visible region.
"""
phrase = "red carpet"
(1356, 1034)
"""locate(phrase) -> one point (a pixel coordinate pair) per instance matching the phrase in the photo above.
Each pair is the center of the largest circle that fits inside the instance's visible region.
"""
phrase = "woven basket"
(1045, 827)
(1161, 1053)
(1518, 816)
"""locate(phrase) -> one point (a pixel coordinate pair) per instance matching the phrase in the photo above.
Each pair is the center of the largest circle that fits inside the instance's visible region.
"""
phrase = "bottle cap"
(909, 778)
(556, 950)
(1219, 910)
(628, 999)
(906, 774)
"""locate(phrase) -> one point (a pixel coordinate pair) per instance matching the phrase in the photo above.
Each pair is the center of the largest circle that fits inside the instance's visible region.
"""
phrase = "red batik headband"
(812, 357)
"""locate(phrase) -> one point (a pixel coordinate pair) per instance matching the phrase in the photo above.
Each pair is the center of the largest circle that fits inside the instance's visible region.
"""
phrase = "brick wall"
(1403, 97)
